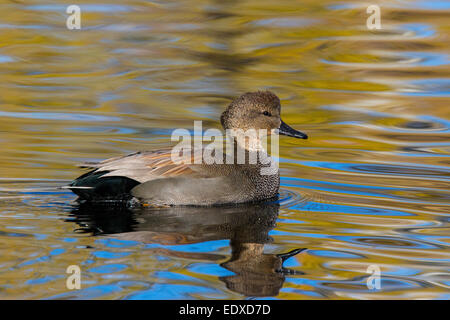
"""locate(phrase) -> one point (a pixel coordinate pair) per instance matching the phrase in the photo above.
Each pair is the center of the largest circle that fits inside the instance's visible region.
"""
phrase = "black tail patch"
(92, 186)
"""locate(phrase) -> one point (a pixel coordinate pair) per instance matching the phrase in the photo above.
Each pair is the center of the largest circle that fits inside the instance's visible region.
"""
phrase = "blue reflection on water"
(334, 254)
(423, 170)
(110, 255)
(303, 292)
(346, 209)
(208, 246)
(4, 59)
(43, 280)
(420, 30)
(382, 242)
(83, 7)
(108, 268)
(212, 269)
(90, 292)
(168, 291)
(431, 4)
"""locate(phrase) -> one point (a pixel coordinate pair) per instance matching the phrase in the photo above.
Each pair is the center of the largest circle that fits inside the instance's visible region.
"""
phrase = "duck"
(154, 178)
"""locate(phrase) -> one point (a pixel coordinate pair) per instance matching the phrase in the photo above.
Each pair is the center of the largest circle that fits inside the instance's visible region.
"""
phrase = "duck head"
(258, 110)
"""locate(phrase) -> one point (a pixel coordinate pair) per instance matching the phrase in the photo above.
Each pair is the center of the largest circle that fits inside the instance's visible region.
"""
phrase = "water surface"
(370, 186)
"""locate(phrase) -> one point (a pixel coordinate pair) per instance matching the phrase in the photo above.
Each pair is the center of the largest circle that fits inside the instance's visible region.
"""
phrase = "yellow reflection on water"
(370, 186)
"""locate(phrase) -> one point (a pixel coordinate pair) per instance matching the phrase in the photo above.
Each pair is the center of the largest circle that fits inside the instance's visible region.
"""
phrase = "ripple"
(5, 59)
(57, 116)
(426, 4)
(312, 206)
(94, 292)
(29, 26)
(417, 30)
(117, 243)
(109, 130)
(108, 268)
(422, 126)
(335, 254)
(285, 22)
(109, 254)
(396, 60)
(289, 198)
(161, 291)
(386, 285)
(84, 7)
(439, 87)
(415, 171)
(434, 172)
(403, 32)
(387, 242)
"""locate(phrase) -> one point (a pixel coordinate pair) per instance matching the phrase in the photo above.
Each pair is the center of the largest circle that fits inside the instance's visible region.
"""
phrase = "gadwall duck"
(153, 178)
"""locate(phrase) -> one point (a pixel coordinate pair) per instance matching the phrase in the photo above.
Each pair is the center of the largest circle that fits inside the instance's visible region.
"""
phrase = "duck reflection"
(247, 226)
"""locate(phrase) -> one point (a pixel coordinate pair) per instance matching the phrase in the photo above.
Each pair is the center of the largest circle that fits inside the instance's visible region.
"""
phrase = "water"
(370, 186)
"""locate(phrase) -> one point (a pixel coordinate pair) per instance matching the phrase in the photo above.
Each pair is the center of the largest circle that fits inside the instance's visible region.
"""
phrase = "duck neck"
(249, 140)
(247, 148)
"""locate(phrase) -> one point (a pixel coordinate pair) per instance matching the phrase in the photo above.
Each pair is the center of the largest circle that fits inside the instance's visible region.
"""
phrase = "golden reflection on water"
(370, 186)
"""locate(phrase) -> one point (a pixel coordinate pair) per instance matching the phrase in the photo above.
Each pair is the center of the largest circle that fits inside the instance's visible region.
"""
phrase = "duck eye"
(267, 113)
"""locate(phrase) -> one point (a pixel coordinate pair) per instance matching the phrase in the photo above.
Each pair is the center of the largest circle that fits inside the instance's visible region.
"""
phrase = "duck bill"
(290, 132)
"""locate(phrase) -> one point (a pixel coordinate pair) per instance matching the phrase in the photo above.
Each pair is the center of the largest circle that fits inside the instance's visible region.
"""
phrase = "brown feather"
(144, 166)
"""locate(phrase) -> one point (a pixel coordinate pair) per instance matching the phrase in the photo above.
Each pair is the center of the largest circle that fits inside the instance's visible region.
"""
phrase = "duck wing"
(115, 177)
(144, 166)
